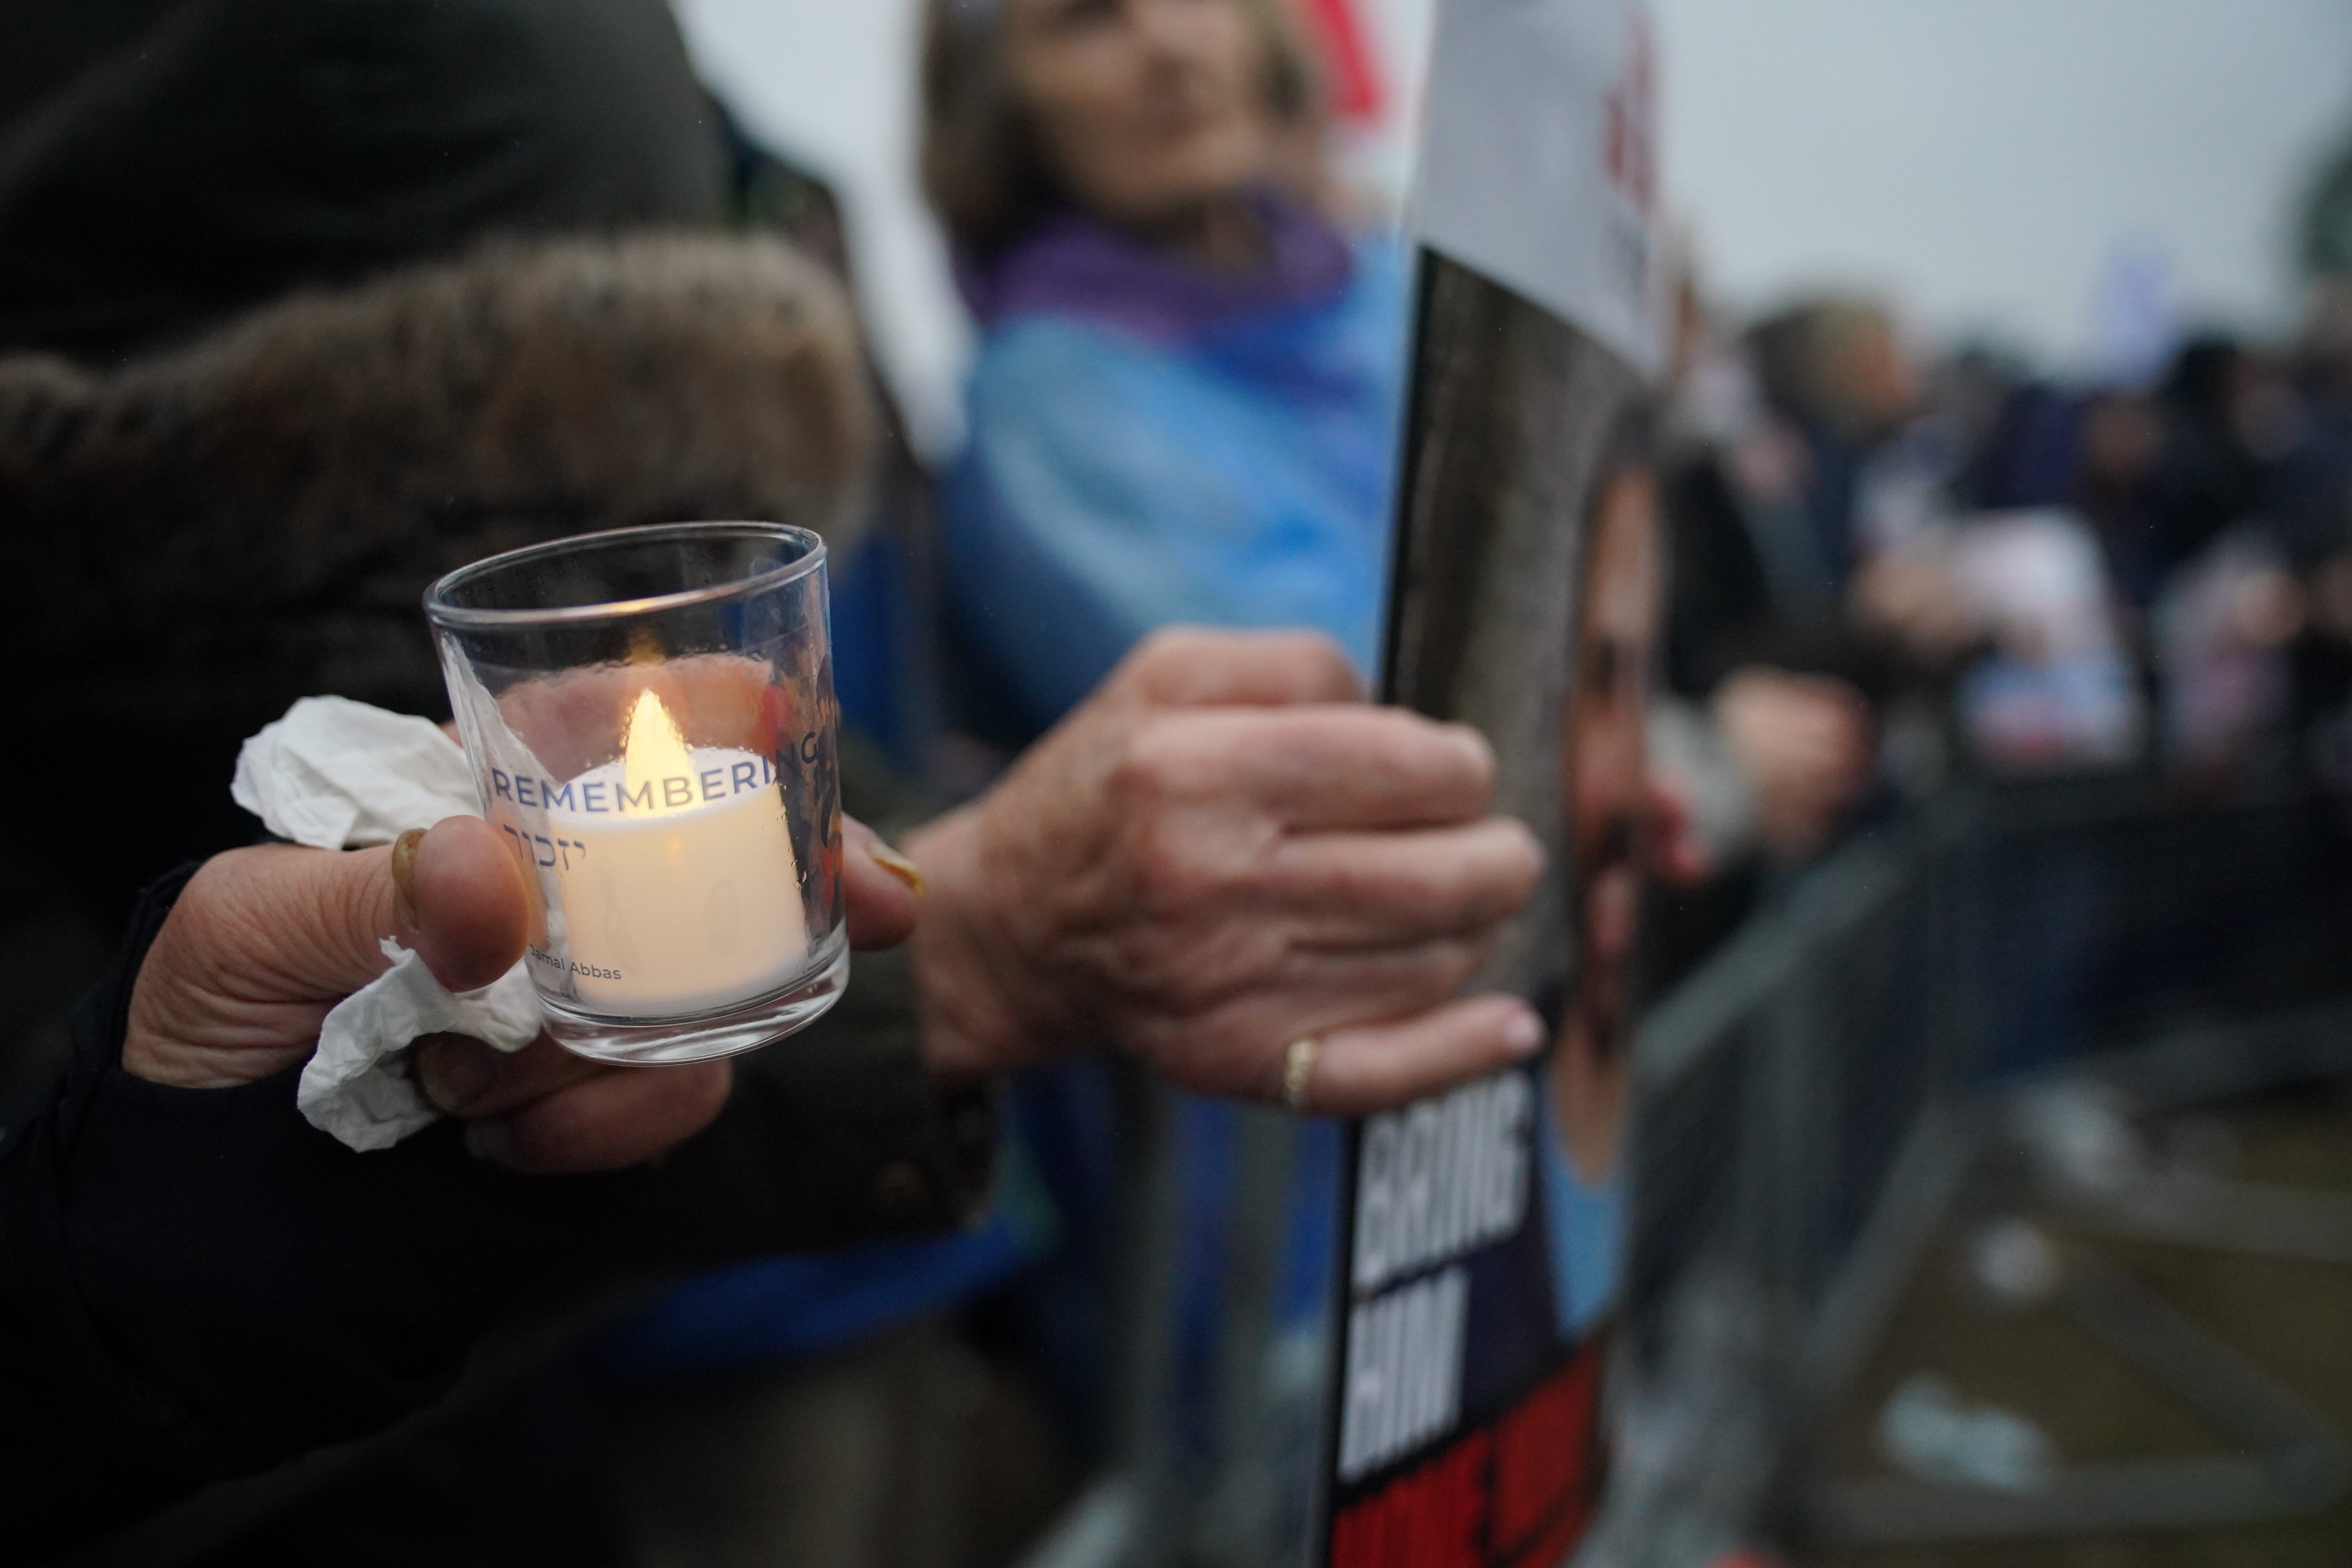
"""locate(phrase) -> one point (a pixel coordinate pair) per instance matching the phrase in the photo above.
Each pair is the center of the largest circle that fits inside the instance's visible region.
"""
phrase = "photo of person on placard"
(1611, 814)
(1488, 1226)
(1531, 605)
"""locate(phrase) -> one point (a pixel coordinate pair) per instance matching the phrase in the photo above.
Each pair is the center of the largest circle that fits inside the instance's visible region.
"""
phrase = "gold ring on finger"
(1299, 1070)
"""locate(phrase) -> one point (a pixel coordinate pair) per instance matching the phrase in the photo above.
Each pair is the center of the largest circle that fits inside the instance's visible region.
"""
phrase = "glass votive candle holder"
(650, 719)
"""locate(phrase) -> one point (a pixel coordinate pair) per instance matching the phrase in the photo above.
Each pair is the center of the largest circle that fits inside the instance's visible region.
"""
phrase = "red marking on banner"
(1427, 1518)
(1516, 1491)
(1543, 1461)
(1356, 91)
(1631, 105)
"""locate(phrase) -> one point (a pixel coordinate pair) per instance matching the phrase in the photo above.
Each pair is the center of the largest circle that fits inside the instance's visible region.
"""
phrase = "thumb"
(453, 893)
(882, 889)
(264, 942)
(460, 900)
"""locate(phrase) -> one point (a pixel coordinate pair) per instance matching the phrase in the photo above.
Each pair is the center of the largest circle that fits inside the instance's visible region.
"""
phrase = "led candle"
(650, 718)
(674, 866)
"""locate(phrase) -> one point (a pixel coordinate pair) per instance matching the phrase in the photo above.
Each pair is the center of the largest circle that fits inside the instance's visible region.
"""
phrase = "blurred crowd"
(235, 325)
(1893, 566)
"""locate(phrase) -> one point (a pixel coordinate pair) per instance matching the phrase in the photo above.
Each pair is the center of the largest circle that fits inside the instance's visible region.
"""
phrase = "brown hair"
(981, 168)
(1796, 353)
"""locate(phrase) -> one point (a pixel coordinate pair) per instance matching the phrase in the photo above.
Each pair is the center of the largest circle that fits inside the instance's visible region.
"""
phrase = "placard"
(1540, 166)
(1484, 1228)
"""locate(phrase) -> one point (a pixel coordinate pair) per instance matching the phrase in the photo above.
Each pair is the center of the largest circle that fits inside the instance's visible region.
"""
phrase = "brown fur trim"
(263, 508)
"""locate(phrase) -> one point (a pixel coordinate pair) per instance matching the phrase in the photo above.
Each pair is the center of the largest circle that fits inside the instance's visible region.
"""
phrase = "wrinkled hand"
(1222, 851)
(264, 942)
(1803, 741)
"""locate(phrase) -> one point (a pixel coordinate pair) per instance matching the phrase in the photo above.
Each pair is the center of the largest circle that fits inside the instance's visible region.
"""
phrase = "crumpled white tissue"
(358, 1085)
(338, 775)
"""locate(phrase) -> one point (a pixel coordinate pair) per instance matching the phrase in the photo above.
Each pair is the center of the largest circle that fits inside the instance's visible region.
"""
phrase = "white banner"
(1539, 167)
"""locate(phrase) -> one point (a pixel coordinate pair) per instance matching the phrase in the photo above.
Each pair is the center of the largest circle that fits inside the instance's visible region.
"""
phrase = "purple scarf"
(1073, 265)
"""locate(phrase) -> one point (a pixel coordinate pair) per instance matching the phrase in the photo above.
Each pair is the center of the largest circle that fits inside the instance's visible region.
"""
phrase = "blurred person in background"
(1764, 475)
(2322, 535)
(1184, 408)
(2234, 430)
(2207, 493)
(2246, 494)
(1186, 393)
(1836, 374)
(1763, 710)
(2121, 440)
(2095, 449)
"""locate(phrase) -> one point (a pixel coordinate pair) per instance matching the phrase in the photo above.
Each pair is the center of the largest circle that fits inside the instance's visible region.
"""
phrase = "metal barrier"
(1807, 1105)
(1245, 1498)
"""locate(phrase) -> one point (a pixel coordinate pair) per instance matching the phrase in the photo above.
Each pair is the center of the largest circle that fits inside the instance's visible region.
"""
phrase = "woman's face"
(1145, 108)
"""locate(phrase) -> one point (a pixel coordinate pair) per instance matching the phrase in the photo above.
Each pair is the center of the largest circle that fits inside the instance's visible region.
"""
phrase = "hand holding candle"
(265, 940)
(651, 720)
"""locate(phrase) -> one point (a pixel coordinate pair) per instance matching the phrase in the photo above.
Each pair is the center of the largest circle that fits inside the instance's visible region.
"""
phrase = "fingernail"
(1476, 739)
(455, 1076)
(1542, 855)
(1523, 1034)
(404, 871)
(490, 1141)
(897, 865)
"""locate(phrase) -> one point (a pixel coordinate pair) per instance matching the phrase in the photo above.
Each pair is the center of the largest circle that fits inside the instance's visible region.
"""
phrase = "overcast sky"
(1979, 159)
(1976, 160)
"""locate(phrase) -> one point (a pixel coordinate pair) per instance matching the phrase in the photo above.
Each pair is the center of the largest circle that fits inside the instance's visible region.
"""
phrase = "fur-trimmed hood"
(257, 513)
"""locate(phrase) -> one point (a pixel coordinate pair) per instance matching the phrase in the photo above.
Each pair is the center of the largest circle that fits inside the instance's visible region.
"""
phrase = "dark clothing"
(2031, 455)
(1733, 601)
(201, 536)
(1833, 493)
(230, 494)
(2035, 455)
(167, 166)
(138, 1361)
(269, 444)
(196, 1284)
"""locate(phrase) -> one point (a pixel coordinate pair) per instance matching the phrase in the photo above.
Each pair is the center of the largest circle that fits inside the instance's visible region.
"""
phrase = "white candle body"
(682, 897)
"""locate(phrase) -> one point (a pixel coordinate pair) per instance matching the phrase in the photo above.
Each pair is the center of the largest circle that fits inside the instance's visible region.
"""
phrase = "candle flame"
(653, 750)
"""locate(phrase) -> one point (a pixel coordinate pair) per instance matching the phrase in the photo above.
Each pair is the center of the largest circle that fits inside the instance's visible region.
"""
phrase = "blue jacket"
(1116, 482)
(1241, 477)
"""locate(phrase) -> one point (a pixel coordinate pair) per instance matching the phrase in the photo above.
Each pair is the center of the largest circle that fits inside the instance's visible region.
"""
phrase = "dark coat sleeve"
(197, 1284)
(837, 1135)
(840, 1133)
(1722, 611)
(231, 151)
